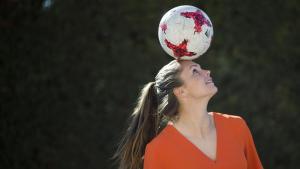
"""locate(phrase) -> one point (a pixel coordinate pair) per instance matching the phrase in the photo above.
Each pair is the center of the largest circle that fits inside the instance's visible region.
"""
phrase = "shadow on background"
(71, 72)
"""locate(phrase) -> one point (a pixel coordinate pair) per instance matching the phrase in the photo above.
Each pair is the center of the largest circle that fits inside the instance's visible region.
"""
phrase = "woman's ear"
(178, 92)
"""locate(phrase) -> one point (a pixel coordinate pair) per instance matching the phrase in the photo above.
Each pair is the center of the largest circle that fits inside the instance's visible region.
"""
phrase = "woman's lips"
(209, 81)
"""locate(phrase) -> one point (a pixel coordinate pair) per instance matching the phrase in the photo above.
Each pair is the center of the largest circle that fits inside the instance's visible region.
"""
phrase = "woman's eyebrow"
(194, 65)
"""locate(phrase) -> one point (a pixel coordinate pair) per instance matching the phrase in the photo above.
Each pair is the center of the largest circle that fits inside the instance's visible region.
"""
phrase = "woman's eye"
(195, 71)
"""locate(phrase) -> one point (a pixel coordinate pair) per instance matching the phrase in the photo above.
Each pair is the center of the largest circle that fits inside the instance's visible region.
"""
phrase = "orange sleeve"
(151, 158)
(250, 151)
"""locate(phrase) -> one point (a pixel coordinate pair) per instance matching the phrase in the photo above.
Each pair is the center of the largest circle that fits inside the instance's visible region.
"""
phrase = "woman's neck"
(194, 120)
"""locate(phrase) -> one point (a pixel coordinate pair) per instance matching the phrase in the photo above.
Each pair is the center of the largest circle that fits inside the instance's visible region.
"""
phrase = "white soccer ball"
(185, 32)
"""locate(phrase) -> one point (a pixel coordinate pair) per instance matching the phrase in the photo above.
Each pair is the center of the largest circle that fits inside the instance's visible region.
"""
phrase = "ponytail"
(143, 127)
(156, 105)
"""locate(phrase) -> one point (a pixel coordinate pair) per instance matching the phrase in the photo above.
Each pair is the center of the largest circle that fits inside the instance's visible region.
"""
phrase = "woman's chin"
(213, 88)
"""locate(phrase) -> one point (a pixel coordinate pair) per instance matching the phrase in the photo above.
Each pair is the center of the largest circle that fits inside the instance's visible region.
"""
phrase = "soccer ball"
(185, 32)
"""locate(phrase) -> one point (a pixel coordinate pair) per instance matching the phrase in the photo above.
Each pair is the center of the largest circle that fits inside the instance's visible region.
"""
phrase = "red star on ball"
(179, 50)
(198, 18)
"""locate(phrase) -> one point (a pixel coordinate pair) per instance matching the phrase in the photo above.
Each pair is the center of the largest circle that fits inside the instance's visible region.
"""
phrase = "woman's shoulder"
(233, 122)
(230, 118)
(160, 144)
(161, 139)
(227, 115)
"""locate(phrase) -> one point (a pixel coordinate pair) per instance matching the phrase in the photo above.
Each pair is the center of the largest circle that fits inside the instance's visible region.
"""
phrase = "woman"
(170, 127)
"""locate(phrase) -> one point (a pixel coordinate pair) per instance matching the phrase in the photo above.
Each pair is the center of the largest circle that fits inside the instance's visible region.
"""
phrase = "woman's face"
(197, 81)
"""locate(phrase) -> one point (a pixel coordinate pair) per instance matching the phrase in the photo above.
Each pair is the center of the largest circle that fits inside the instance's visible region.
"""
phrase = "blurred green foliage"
(70, 74)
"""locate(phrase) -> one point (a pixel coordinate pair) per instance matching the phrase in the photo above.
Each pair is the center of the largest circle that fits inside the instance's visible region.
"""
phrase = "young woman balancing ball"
(170, 127)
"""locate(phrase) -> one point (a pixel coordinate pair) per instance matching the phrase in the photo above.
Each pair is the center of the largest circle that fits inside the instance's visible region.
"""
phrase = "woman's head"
(179, 82)
(158, 102)
(197, 83)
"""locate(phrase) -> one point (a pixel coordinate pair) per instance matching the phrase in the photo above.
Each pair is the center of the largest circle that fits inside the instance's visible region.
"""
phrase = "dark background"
(71, 71)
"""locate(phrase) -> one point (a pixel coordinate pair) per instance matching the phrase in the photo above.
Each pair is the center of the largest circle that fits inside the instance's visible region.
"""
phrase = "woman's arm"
(250, 151)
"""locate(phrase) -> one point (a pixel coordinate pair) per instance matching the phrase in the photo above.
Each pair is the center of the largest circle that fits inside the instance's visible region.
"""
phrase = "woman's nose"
(208, 72)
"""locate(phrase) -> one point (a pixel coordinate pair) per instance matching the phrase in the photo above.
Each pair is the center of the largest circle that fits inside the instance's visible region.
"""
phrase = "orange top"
(235, 148)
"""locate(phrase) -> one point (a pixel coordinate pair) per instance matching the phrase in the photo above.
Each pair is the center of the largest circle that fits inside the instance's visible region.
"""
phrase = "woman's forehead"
(187, 64)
